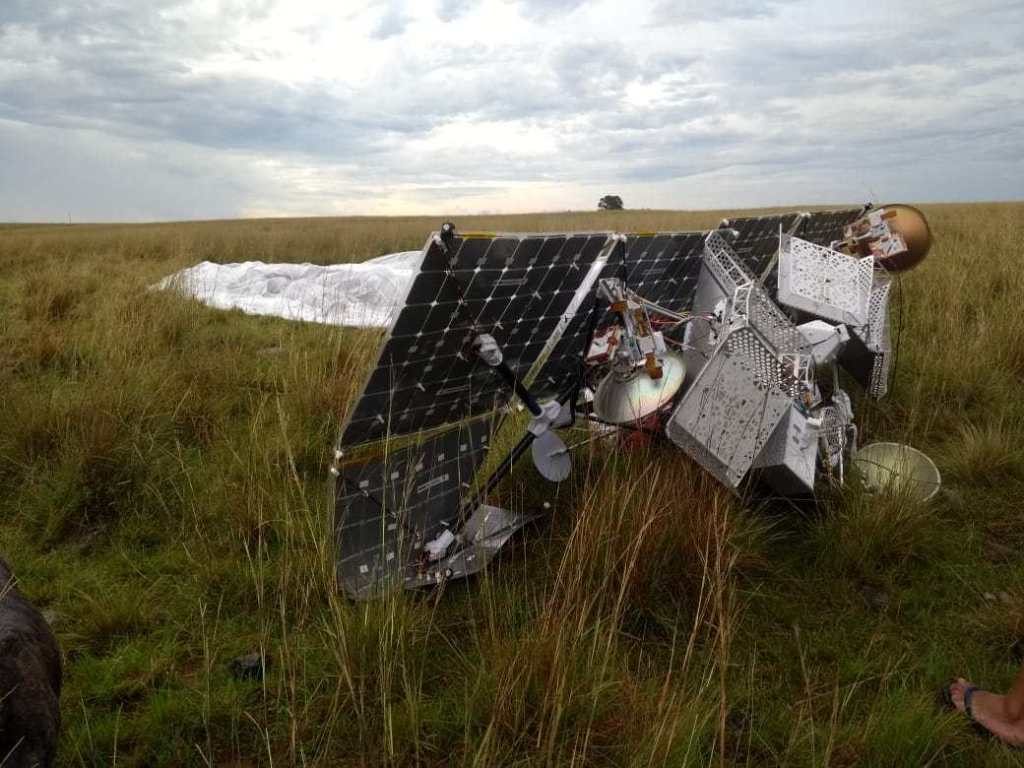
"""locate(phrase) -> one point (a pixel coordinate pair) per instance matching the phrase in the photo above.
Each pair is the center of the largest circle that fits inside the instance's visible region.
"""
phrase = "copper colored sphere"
(910, 224)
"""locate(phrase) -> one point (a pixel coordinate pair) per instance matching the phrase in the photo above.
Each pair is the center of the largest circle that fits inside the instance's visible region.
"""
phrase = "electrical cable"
(899, 330)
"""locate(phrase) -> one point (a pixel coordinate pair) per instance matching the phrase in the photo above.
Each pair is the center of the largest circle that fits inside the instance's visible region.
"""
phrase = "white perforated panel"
(777, 330)
(833, 434)
(719, 258)
(878, 313)
(732, 407)
(878, 337)
(824, 282)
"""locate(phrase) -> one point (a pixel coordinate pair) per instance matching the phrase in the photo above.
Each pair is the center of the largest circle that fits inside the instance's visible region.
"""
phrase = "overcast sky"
(171, 109)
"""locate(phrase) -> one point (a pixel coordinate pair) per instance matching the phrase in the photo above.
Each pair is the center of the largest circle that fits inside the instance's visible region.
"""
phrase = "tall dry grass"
(165, 496)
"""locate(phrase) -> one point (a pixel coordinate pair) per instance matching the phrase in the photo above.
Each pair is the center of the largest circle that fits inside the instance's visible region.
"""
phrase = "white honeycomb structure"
(826, 283)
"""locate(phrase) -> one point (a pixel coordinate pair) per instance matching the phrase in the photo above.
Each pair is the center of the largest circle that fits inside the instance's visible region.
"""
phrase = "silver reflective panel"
(621, 400)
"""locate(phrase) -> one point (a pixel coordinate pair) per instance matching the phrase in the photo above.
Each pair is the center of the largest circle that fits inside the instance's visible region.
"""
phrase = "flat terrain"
(165, 500)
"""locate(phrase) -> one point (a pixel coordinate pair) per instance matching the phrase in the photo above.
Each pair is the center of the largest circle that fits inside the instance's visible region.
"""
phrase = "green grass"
(165, 497)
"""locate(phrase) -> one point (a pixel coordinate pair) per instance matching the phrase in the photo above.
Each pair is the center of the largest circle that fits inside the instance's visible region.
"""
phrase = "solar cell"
(564, 361)
(755, 240)
(387, 510)
(660, 266)
(664, 267)
(825, 227)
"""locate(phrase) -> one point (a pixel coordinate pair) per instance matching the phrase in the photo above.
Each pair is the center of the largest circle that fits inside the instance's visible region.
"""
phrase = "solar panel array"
(518, 288)
(662, 267)
(755, 240)
(387, 509)
(513, 287)
(826, 227)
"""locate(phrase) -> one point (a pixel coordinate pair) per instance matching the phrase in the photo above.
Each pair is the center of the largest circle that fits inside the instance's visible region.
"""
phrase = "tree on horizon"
(610, 203)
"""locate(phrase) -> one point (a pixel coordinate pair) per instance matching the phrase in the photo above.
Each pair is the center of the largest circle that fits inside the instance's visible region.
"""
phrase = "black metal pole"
(522, 392)
(505, 468)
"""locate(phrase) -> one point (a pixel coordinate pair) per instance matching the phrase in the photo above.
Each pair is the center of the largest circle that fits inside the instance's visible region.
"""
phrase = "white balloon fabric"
(366, 295)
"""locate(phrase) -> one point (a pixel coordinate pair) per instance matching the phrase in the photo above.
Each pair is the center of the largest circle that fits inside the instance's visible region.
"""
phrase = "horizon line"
(479, 214)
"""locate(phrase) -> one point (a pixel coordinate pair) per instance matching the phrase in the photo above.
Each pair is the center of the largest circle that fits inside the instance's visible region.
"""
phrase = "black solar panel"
(565, 360)
(664, 267)
(513, 287)
(661, 266)
(825, 227)
(386, 510)
(755, 240)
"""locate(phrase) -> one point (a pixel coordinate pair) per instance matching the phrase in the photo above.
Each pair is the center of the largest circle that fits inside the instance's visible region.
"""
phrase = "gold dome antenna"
(896, 235)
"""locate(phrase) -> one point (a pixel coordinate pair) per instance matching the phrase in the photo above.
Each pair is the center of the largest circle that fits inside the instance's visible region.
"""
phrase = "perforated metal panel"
(722, 261)
(826, 283)
(771, 323)
(833, 433)
(749, 381)
(878, 337)
(732, 407)
(877, 327)
(867, 355)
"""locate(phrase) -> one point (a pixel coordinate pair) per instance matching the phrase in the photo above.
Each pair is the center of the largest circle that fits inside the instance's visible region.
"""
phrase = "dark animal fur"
(30, 680)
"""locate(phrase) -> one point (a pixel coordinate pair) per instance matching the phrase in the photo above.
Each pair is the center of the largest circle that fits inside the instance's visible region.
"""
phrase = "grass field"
(165, 500)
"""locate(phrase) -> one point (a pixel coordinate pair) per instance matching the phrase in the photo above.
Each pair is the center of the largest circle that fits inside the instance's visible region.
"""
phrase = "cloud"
(450, 10)
(594, 70)
(53, 174)
(294, 107)
(392, 23)
(692, 11)
(547, 9)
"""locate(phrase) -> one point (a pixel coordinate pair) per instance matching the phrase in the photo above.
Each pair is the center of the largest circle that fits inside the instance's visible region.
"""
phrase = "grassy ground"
(165, 500)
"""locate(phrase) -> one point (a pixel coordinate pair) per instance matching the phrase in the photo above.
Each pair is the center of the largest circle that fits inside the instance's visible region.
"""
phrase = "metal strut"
(549, 452)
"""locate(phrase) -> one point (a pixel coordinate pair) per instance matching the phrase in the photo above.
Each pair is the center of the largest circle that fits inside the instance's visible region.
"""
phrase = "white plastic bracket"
(550, 413)
(488, 350)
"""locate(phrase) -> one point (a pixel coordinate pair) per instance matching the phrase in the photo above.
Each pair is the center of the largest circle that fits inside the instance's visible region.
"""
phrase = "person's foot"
(989, 712)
